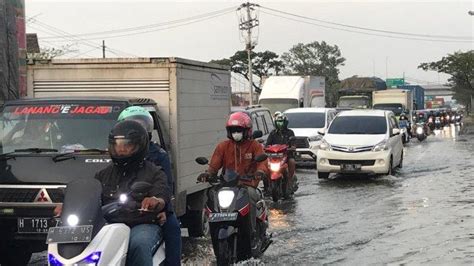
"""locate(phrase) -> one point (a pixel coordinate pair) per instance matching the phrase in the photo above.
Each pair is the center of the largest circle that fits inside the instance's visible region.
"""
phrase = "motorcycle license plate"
(70, 234)
(223, 217)
(34, 225)
(350, 167)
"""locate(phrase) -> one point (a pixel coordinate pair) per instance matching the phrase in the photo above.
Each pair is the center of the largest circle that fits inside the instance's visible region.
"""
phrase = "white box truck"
(395, 100)
(280, 93)
(190, 100)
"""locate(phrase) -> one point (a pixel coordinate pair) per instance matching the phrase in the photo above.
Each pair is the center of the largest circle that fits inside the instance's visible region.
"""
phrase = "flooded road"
(422, 214)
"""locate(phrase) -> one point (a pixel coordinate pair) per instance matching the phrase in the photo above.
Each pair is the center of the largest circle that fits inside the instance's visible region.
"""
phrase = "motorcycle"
(420, 131)
(404, 125)
(431, 123)
(278, 164)
(438, 124)
(93, 235)
(234, 236)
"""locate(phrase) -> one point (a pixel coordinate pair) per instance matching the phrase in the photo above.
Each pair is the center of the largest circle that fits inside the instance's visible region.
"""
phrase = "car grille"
(361, 162)
(301, 142)
(352, 149)
(28, 195)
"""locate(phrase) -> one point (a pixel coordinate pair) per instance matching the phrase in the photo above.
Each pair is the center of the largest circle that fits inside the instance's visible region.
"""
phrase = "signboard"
(393, 83)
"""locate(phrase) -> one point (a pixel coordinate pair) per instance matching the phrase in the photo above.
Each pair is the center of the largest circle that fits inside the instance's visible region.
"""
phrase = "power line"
(365, 33)
(372, 29)
(148, 26)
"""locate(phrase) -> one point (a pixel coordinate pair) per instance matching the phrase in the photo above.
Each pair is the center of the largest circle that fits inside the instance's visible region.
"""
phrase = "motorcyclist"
(404, 120)
(158, 156)
(128, 146)
(281, 135)
(237, 154)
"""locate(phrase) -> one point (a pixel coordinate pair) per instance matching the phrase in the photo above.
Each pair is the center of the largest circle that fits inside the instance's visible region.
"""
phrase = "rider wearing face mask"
(281, 135)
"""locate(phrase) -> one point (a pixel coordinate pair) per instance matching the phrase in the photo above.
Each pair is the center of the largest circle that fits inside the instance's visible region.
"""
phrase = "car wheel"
(400, 165)
(390, 166)
(323, 175)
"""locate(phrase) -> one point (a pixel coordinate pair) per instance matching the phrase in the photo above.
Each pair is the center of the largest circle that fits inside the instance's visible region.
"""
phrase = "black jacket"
(280, 136)
(115, 181)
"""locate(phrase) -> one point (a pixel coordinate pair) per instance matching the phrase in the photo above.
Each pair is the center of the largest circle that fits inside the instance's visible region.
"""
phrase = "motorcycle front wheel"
(224, 253)
(276, 190)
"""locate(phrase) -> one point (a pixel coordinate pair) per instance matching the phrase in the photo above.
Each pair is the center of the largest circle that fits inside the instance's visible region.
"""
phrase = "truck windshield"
(64, 127)
(353, 102)
(372, 125)
(396, 108)
(279, 104)
(306, 120)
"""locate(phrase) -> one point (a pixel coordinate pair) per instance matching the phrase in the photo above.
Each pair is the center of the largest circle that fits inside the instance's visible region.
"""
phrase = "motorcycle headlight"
(382, 146)
(457, 117)
(275, 167)
(419, 130)
(72, 220)
(225, 198)
(324, 146)
(123, 198)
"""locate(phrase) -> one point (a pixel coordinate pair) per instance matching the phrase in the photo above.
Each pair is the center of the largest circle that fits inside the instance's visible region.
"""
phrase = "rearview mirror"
(260, 158)
(257, 134)
(322, 131)
(202, 160)
(141, 187)
(395, 131)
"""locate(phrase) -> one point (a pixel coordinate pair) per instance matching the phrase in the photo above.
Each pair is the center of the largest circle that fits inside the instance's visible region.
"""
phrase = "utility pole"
(246, 25)
(103, 48)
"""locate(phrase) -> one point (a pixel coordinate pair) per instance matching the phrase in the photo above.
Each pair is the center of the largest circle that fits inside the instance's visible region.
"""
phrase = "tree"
(263, 64)
(50, 52)
(316, 59)
(460, 66)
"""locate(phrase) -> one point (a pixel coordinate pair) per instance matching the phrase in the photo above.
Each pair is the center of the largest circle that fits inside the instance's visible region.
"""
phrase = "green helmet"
(139, 114)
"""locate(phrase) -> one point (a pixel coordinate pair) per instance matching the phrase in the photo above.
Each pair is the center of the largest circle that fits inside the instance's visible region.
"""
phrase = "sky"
(218, 37)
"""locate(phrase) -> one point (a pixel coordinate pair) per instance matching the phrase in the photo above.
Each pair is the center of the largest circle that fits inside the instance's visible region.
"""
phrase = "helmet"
(281, 121)
(138, 114)
(239, 122)
(128, 144)
(277, 113)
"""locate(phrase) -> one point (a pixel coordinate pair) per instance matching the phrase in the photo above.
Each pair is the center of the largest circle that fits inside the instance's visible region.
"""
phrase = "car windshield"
(353, 102)
(63, 127)
(306, 120)
(396, 108)
(371, 125)
(279, 104)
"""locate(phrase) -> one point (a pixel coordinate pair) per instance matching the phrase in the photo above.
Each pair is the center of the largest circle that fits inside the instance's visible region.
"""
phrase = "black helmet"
(128, 143)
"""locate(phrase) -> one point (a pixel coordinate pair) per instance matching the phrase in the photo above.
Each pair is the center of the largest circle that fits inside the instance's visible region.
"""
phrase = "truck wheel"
(323, 175)
(14, 254)
(198, 223)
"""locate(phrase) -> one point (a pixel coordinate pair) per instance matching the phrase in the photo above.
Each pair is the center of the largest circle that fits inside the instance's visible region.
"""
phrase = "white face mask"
(237, 136)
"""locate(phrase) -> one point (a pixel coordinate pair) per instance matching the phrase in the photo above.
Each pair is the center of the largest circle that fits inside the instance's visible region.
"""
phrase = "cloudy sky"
(381, 38)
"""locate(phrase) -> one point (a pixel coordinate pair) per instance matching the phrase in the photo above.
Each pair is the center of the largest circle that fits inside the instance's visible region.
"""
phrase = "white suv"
(361, 141)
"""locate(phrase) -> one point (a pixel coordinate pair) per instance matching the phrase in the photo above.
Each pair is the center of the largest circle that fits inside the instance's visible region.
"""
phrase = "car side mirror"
(322, 131)
(141, 187)
(395, 131)
(202, 160)
(257, 134)
(260, 158)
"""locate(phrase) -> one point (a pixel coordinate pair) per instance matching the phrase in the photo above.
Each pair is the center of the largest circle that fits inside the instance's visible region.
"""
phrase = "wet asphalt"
(422, 214)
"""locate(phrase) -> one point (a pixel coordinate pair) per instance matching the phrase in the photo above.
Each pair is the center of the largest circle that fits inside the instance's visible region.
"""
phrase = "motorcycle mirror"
(202, 160)
(257, 134)
(141, 187)
(260, 158)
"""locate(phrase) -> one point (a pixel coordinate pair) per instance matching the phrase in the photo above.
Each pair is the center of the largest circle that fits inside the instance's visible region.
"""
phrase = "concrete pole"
(249, 52)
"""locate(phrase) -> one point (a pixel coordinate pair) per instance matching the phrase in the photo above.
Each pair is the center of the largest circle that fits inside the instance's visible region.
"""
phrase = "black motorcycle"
(420, 131)
(234, 236)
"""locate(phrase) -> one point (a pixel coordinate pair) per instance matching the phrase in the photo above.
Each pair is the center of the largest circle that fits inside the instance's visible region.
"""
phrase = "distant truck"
(356, 92)
(280, 93)
(79, 101)
(418, 95)
(395, 100)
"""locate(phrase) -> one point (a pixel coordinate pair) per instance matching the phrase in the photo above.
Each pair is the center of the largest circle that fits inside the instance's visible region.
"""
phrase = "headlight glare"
(225, 198)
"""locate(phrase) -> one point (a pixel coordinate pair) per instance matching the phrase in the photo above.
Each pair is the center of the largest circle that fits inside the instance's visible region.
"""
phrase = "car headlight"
(324, 146)
(225, 198)
(72, 220)
(275, 167)
(419, 130)
(382, 146)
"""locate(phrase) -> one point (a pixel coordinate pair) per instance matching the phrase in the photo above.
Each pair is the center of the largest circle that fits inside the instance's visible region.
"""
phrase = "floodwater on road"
(422, 214)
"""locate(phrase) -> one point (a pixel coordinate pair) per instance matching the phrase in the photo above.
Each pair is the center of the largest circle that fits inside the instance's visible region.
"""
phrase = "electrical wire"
(365, 33)
(149, 26)
(372, 29)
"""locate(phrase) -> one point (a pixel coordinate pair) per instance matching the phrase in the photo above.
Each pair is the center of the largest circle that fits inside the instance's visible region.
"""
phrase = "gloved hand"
(204, 177)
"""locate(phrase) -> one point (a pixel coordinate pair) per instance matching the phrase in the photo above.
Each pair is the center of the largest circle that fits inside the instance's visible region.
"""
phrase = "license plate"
(223, 217)
(70, 234)
(350, 167)
(35, 225)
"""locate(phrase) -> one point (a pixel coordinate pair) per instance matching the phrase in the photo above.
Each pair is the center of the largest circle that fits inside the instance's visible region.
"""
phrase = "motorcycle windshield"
(82, 201)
